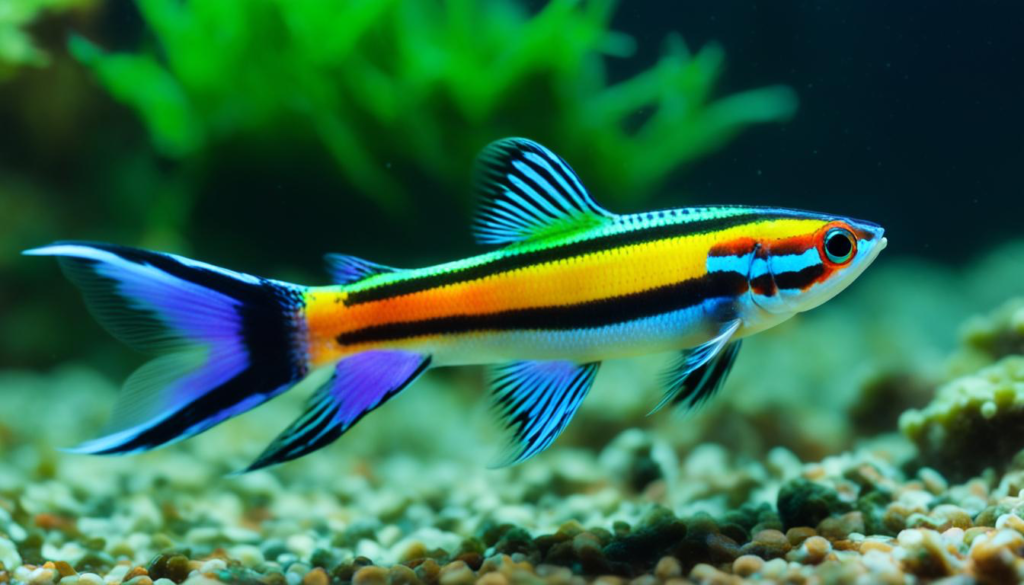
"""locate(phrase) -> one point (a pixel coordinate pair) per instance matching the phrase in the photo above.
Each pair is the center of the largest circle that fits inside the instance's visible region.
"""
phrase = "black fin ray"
(693, 360)
(695, 389)
(526, 192)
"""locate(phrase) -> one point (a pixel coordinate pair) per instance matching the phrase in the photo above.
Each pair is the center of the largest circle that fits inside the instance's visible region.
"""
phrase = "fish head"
(799, 271)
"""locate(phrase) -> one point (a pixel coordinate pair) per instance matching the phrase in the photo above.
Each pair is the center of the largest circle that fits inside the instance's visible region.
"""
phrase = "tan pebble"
(1010, 521)
(678, 581)
(919, 520)
(135, 572)
(845, 545)
(895, 517)
(814, 471)
(609, 580)
(43, 576)
(816, 548)
(774, 569)
(318, 576)
(644, 580)
(971, 533)
(667, 568)
(554, 574)
(840, 527)
(747, 565)
(402, 575)
(371, 575)
(457, 573)
(415, 550)
(495, 578)
(139, 580)
(994, 557)
(956, 516)
(771, 536)
(797, 535)
(570, 528)
(706, 574)
(926, 555)
(64, 568)
(870, 545)
(933, 480)
(427, 570)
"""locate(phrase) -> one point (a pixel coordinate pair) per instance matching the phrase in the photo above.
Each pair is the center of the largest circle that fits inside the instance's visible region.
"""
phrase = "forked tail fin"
(224, 342)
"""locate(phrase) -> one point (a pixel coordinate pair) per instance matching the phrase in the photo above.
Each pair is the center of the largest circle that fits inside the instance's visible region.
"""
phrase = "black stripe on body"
(800, 279)
(588, 315)
(501, 264)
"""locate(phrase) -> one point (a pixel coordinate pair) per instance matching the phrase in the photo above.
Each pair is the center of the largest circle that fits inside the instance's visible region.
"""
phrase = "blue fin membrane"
(528, 192)
(701, 384)
(535, 402)
(345, 269)
(224, 342)
(360, 384)
(700, 372)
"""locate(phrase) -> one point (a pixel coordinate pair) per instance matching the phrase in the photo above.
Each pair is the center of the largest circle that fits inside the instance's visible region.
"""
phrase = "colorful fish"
(573, 285)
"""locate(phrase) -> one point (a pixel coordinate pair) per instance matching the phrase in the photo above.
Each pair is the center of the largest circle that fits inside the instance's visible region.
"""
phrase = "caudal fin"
(224, 342)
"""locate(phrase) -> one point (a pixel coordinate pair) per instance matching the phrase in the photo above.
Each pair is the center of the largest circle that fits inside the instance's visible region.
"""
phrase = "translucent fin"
(528, 192)
(360, 384)
(535, 401)
(688, 383)
(346, 269)
(224, 341)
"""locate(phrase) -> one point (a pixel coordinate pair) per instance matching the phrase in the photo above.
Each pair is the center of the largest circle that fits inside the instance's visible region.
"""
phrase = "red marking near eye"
(737, 247)
(793, 246)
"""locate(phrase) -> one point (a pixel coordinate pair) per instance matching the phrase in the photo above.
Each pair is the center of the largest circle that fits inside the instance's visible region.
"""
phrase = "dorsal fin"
(345, 269)
(528, 192)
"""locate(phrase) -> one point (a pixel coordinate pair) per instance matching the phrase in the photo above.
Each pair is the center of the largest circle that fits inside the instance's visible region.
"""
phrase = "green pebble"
(804, 503)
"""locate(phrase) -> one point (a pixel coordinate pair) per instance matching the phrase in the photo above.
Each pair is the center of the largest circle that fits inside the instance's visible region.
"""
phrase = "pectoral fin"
(700, 372)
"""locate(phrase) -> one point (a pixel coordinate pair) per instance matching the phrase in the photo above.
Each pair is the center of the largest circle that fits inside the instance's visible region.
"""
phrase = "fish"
(566, 286)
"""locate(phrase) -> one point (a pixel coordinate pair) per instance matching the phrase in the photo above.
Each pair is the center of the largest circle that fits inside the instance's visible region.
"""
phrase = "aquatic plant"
(402, 91)
(17, 48)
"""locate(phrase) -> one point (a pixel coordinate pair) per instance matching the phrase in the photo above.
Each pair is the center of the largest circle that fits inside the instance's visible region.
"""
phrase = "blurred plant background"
(262, 134)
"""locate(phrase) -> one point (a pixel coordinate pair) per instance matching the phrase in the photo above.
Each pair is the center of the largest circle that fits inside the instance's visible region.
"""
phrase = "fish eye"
(839, 245)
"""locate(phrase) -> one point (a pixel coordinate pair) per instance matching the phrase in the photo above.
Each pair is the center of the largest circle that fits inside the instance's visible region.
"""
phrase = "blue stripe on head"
(794, 262)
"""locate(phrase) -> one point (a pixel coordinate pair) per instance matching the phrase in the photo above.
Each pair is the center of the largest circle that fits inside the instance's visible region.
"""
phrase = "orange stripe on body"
(610, 273)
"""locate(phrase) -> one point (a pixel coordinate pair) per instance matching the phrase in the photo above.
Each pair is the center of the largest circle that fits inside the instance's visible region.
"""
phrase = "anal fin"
(535, 401)
(360, 384)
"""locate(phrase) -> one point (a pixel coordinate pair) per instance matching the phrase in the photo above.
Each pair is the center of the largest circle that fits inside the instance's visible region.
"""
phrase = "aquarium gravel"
(852, 518)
